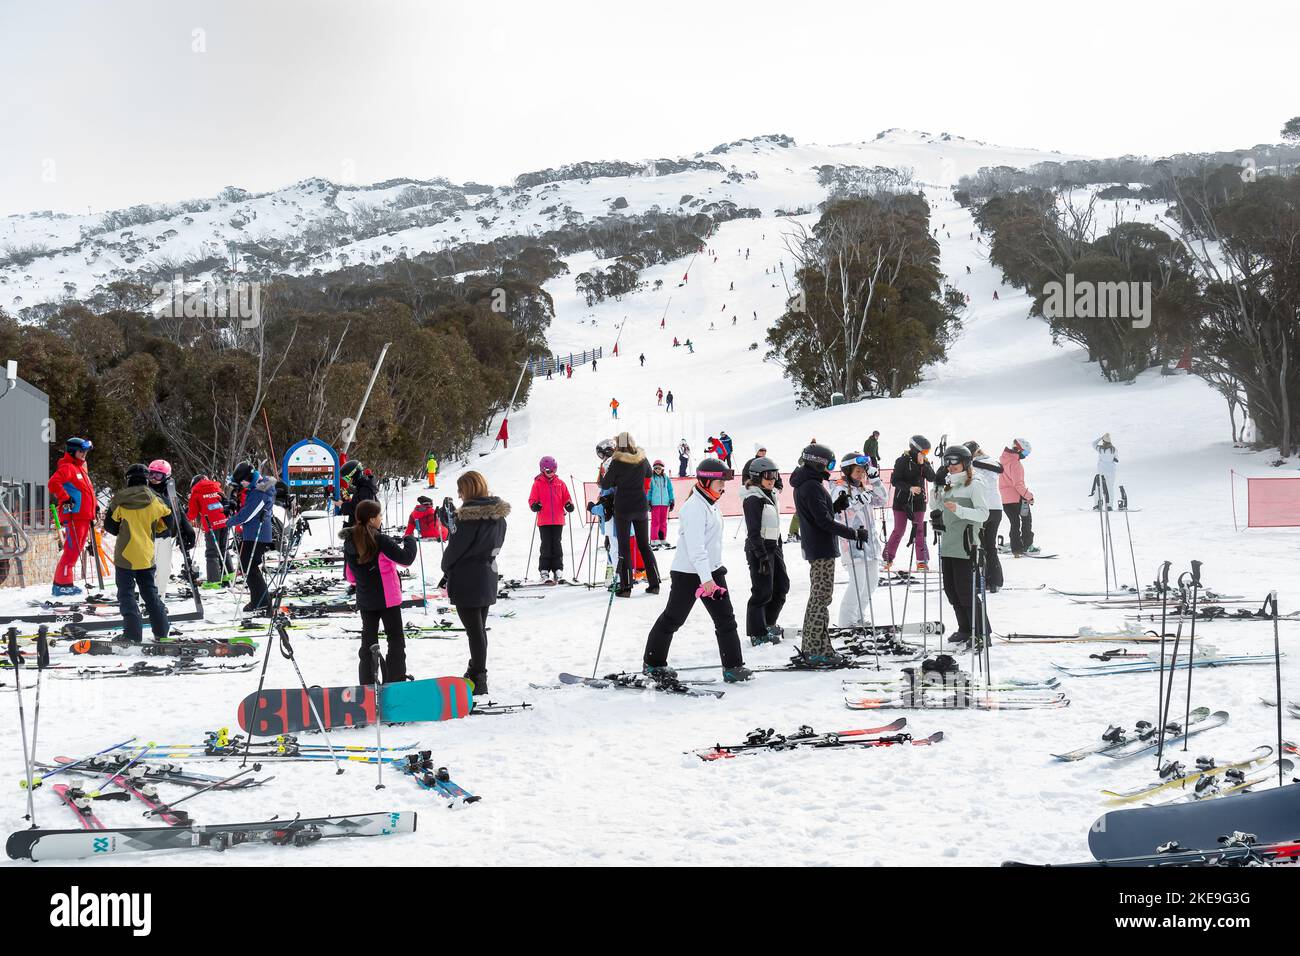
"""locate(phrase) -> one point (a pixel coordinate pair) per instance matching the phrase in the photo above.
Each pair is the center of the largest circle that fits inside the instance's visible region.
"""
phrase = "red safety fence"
(730, 502)
(1270, 502)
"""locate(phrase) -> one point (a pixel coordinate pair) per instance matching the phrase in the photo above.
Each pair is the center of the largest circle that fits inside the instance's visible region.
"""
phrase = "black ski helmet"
(137, 474)
(820, 456)
(605, 448)
(350, 470)
(759, 466)
(196, 479)
(957, 455)
(920, 443)
(241, 473)
(710, 469)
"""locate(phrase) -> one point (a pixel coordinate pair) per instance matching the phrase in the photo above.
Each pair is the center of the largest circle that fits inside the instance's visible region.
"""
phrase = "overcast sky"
(105, 104)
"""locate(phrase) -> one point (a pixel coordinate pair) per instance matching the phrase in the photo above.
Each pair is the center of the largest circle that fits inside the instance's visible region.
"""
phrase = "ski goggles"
(725, 474)
(769, 475)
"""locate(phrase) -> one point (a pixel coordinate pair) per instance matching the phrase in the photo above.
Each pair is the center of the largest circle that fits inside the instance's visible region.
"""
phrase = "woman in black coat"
(469, 563)
(629, 475)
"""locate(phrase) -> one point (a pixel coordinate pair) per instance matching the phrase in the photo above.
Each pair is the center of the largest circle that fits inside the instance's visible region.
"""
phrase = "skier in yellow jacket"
(431, 466)
(135, 516)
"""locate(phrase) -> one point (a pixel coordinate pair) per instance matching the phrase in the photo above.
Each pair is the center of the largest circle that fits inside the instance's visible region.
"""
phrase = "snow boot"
(772, 635)
(65, 590)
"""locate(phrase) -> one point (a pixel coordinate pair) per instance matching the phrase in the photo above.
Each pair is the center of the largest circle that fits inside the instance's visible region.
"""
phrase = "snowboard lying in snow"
(1271, 815)
(288, 711)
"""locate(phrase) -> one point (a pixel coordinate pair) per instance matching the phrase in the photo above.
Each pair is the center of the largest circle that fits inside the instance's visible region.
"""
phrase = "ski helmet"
(424, 500)
(818, 455)
(74, 445)
(136, 474)
(242, 472)
(196, 479)
(762, 466)
(547, 464)
(710, 469)
(605, 448)
(1024, 446)
(350, 470)
(957, 455)
(161, 467)
(658, 463)
(920, 443)
(973, 445)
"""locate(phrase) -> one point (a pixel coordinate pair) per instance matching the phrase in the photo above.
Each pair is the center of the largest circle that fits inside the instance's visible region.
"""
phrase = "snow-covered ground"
(600, 777)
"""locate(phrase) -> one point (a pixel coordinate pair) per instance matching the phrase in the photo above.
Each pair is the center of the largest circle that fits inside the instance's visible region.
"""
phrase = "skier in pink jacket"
(1015, 494)
(551, 502)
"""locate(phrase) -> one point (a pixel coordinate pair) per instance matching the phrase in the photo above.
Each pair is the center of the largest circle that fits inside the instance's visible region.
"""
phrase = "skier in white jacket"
(855, 493)
(697, 573)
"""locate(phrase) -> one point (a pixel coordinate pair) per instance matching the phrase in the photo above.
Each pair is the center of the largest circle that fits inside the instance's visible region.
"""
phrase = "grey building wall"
(24, 454)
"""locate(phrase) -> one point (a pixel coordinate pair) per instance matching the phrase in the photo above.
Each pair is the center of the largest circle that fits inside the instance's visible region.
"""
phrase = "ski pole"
(1128, 527)
(1169, 693)
(531, 538)
(1105, 562)
(1277, 674)
(377, 662)
(608, 607)
(424, 584)
(42, 661)
(1191, 647)
(16, 659)
(573, 551)
(286, 650)
(166, 807)
(1162, 582)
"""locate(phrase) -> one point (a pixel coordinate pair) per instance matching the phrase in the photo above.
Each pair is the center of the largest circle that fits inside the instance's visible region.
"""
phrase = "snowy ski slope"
(591, 777)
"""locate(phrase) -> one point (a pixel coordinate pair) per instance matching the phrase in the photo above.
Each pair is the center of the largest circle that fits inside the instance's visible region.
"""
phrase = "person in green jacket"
(958, 511)
(871, 448)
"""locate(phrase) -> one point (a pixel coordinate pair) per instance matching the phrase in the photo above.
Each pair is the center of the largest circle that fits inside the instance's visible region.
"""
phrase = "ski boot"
(660, 674)
(830, 660)
(887, 567)
(65, 590)
(922, 567)
(771, 636)
(737, 674)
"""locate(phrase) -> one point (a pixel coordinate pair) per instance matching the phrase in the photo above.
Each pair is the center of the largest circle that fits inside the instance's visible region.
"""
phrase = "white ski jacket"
(699, 537)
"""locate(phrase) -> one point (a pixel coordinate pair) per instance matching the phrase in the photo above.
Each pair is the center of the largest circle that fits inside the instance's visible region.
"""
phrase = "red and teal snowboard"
(288, 711)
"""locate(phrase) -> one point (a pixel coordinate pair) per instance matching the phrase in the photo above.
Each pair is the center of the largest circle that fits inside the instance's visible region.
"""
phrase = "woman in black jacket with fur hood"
(629, 475)
(469, 563)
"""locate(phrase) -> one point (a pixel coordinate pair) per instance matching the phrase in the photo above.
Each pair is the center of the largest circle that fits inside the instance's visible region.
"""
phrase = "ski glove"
(568, 506)
(862, 534)
(841, 503)
(672, 505)
(536, 506)
(590, 505)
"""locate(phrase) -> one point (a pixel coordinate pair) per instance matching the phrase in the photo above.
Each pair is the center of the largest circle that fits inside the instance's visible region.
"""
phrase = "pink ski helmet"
(547, 464)
(160, 466)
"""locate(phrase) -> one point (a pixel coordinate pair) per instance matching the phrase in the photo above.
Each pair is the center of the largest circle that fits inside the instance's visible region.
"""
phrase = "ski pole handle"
(1196, 574)
(1164, 574)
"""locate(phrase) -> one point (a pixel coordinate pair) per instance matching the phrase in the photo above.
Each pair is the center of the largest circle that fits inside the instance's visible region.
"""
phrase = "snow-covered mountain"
(319, 226)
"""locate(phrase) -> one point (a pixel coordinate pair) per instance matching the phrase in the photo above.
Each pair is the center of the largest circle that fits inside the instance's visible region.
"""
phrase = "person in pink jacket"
(1014, 491)
(551, 502)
